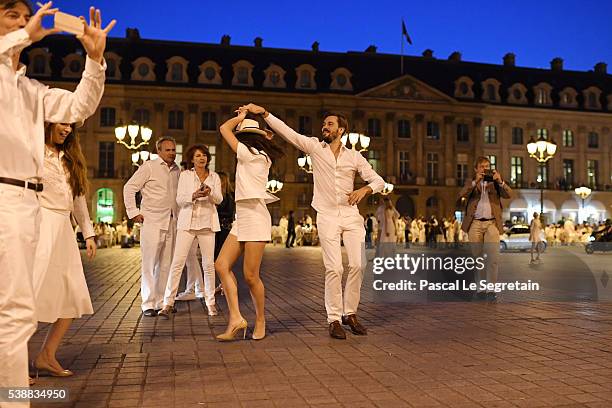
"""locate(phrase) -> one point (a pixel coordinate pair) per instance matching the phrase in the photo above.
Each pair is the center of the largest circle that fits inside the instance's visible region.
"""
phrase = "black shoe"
(491, 297)
(356, 327)
(150, 313)
(336, 331)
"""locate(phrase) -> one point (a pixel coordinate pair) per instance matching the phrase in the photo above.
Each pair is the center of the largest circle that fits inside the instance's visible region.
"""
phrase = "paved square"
(457, 354)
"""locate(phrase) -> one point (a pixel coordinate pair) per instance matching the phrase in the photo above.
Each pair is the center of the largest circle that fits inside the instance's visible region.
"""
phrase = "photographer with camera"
(483, 218)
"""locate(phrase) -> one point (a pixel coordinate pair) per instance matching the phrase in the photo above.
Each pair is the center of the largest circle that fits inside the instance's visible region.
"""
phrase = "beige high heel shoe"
(254, 337)
(232, 334)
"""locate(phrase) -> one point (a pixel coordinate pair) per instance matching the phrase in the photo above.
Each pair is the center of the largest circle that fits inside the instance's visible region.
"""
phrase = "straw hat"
(249, 126)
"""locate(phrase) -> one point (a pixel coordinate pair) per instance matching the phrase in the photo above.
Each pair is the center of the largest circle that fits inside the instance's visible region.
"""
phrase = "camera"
(488, 175)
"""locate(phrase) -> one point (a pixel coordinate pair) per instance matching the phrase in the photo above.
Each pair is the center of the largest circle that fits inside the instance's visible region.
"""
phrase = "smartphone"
(69, 23)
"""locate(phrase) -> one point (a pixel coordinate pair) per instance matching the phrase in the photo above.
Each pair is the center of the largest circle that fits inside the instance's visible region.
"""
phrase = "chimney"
(371, 49)
(315, 46)
(509, 60)
(455, 56)
(601, 68)
(132, 34)
(556, 64)
(428, 53)
(258, 42)
(225, 40)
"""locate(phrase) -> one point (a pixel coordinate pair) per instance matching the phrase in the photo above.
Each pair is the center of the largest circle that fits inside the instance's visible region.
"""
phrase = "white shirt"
(252, 175)
(57, 193)
(333, 178)
(157, 183)
(25, 105)
(483, 209)
(202, 213)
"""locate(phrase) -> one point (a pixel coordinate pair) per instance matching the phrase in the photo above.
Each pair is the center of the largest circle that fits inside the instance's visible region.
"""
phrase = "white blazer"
(190, 182)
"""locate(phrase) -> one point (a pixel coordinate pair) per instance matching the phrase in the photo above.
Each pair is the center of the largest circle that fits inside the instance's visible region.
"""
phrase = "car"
(517, 238)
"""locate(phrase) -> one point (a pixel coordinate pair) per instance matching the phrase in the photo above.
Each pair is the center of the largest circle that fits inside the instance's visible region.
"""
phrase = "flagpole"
(402, 52)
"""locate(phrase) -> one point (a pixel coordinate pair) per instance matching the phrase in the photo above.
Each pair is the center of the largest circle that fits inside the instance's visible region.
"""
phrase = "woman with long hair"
(255, 152)
(197, 196)
(60, 289)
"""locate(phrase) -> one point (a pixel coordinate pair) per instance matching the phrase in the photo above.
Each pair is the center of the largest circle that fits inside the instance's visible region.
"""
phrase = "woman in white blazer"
(197, 196)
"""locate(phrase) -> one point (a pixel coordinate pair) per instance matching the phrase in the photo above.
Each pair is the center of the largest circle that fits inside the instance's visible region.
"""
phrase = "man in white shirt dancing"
(26, 105)
(338, 219)
(157, 180)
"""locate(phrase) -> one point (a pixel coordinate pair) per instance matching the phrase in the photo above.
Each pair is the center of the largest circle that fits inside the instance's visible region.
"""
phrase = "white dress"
(60, 289)
(253, 221)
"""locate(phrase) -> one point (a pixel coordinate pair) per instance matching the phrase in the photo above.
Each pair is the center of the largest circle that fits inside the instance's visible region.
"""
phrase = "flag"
(405, 33)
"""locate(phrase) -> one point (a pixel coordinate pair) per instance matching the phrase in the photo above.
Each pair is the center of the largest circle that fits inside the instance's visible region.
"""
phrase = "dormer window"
(177, 70)
(567, 98)
(210, 73)
(517, 94)
(591, 98)
(143, 69)
(305, 77)
(243, 73)
(542, 94)
(341, 80)
(275, 77)
(73, 66)
(491, 90)
(39, 62)
(113, 62)
(464, 87)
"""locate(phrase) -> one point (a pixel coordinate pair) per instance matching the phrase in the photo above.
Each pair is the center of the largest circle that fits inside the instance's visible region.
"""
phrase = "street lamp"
(542, 150)
(143, 156)
(583, 192)
(133, 130)
(354, 138)
(274, 186)
(388, 189)
(303, 161)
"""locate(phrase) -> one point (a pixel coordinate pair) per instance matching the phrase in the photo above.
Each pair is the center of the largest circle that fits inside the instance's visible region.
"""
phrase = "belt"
(20, 183)
(485, 219)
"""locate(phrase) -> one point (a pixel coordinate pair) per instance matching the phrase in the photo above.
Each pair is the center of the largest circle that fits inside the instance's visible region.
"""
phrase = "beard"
(329, 137)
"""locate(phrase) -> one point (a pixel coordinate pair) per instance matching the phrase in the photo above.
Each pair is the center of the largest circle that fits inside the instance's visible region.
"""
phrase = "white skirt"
(60, 289)
(253, 221)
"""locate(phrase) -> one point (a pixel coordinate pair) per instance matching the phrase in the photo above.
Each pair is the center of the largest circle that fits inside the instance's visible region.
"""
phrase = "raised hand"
(254, 109)
(34, 27)
(94, 36)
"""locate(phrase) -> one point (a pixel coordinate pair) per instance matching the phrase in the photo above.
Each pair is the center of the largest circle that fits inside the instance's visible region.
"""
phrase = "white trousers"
(19, 223)
(156, 247)
(333, 229)
(184, 242)
(194, 271)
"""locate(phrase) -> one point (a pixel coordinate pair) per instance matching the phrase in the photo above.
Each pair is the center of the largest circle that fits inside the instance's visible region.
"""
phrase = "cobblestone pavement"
(457, 354)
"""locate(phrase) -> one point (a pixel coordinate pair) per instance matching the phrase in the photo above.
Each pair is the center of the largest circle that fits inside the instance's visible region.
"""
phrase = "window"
(490, 134)
(568, 172)
(517, 94)
(75, 66)
(463, 132)
(374, 160)
(177, 72)
(592, 173)
(491, 92)
(175, 119)
(592, 98)
(517, 135)
(493, 160)
(341, 80)
(432, 168)
(106, 160)
(107, 117)
(568, 138)
(213, 157)
(40, 64)
(143, 69)
(305, 79)
(403, 129)
(111, 68)
(464, 88)
(541, 97)
(242, 75)
(179, 155)
(374, 127)
(404, 166)
(142, 116)
(543, 174)
(433, 130)
(209, 121)
(305, 125)
(105, 210)
(542, 133)
(593, 140)
(210, 73)
(461, 174)
(516, 171)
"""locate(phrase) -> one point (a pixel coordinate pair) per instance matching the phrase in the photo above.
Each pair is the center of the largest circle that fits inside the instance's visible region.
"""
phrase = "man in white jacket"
(338, 219)
(157, 181)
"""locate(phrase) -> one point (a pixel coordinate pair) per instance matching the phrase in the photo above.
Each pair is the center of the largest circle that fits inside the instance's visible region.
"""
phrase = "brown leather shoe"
(356, 327)
(336, 331)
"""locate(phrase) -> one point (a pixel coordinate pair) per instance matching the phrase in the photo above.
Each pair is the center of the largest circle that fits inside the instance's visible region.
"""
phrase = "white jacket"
(189, 182)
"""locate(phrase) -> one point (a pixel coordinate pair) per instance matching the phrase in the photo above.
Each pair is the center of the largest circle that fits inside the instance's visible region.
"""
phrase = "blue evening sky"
(579, 31)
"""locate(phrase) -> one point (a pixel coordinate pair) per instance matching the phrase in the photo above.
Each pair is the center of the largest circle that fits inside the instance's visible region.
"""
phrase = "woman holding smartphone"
(197, 196)
(60, 289)
(253, 227)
